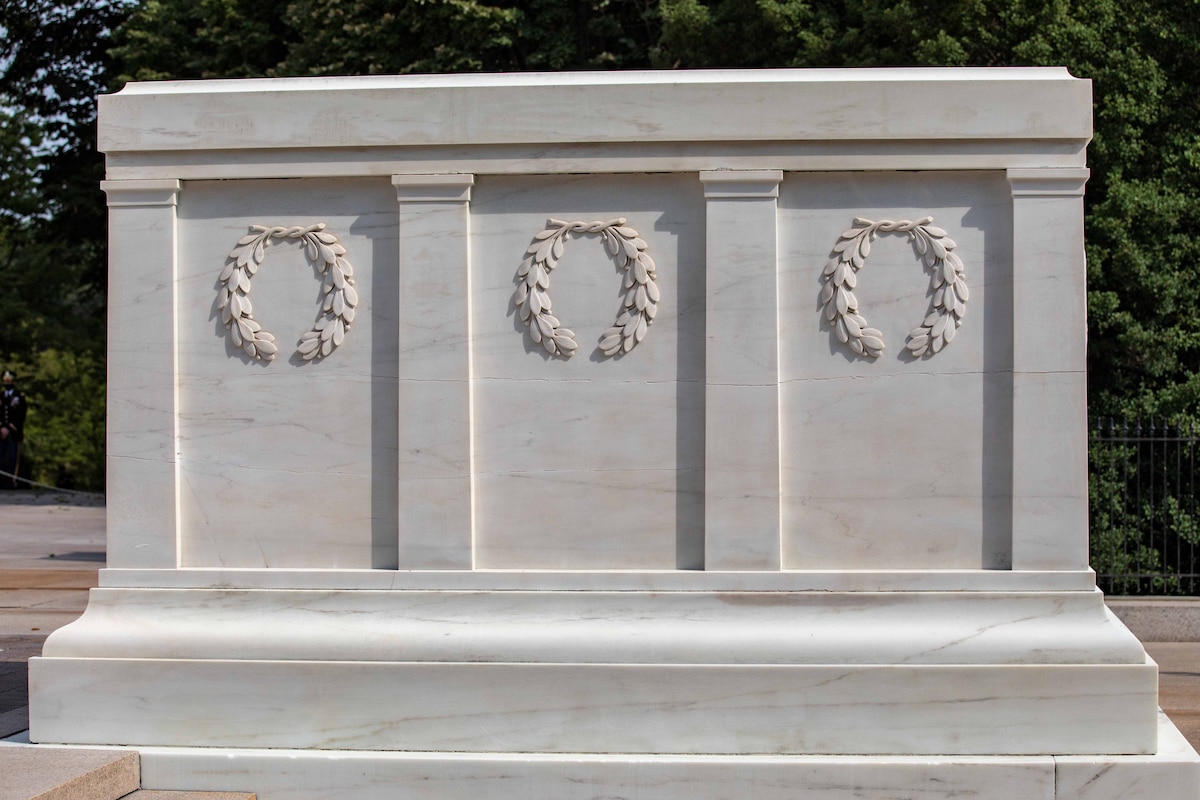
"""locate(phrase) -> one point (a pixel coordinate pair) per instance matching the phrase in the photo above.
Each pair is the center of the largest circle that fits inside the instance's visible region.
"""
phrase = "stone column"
(436, 524)
(1050, 490)
(142, 474)
(741, 462)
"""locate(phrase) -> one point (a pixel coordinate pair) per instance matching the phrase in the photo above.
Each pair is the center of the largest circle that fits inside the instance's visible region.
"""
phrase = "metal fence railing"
(1145, 520)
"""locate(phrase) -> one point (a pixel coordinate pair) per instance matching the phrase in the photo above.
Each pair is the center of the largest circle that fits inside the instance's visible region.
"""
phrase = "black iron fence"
(1145, 521)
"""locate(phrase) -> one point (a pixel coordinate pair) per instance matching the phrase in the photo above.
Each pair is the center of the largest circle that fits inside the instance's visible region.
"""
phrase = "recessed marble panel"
(592, 462)
(895, 462)
(256, 438)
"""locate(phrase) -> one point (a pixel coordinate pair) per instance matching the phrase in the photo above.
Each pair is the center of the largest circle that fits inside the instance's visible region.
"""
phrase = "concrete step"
(61, 773)
(1159, 619)
(153, 794)
(68, 773)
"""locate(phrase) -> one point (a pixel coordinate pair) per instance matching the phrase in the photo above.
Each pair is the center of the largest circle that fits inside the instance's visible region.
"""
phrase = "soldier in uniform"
(12, 429)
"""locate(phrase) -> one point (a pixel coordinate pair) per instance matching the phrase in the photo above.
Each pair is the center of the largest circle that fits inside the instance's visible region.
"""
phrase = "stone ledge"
(1173, 774)
(158, 794)
(51, 773)
(1159, 619)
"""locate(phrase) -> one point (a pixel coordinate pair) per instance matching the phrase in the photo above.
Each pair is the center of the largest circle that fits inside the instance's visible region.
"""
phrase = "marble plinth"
(704, 434)
(343, 775)
(601, 672)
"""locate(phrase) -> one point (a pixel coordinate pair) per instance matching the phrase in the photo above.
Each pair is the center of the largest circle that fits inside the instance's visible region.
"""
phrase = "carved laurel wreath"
(936, 250)
(337, 312)
(532, 296)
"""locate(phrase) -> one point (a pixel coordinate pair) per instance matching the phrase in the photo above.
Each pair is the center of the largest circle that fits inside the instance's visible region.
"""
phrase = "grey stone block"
(1158, 619)
(54, 773)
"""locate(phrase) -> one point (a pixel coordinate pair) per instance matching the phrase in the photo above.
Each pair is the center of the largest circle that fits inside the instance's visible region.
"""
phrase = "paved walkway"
(52, 545)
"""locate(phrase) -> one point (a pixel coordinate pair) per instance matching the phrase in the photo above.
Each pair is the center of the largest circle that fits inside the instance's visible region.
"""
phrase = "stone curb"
(1158, 619)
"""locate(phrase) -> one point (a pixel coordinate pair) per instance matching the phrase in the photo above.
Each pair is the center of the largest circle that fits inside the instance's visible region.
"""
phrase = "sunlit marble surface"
(734, 562)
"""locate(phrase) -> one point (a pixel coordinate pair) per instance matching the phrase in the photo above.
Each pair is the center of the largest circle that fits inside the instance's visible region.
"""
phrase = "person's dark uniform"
(12, 430)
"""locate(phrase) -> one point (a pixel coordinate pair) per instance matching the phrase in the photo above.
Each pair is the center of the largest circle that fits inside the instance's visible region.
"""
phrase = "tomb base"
(371, 775)
(498, 682)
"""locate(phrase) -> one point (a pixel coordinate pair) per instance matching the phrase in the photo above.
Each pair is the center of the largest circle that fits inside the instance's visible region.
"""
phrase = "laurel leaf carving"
(936, 250)
(339, 297)
(641, 292)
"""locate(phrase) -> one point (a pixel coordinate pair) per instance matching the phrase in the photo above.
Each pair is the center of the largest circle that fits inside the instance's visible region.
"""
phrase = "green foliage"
(53, 61)
(377, 36)
(1145, 519)
(167, 39)
(64, 429)
(1119, 550)
(1143, 202)
(239, 38)
(20, 138)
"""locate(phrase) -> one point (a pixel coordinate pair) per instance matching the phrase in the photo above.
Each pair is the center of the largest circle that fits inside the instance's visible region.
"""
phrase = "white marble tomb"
(558, 437)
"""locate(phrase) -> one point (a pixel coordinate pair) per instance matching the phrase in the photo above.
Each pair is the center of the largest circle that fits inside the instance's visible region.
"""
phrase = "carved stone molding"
(948, 283)
(532, 297)
(337, 308)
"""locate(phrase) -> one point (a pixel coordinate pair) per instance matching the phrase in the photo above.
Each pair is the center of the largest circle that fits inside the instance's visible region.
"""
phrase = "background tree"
(53, 61)
(1142, 200)
(179, 39)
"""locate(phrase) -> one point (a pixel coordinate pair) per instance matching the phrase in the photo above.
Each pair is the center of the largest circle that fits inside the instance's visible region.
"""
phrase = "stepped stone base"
(76, 773)
(341, 775)
(739, 672)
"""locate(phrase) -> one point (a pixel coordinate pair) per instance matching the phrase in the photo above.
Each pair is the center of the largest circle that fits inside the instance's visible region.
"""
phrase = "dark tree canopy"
(273, 38)
(53, 265)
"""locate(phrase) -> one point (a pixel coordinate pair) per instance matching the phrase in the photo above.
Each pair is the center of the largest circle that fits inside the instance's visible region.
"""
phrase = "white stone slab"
(601, 672)
(140, 435)
(1050, 495)
(435, 508)
(253, 437)
(604, 158)
(591, 462)
(309, 775)
(741, 348)
(573, 627)
(646, 580)
(672, 106)
(597, 708)
(1174, 771)
(896, 462)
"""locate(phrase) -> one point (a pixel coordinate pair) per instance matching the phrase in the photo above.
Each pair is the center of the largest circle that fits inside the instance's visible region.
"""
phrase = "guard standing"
(12, 430)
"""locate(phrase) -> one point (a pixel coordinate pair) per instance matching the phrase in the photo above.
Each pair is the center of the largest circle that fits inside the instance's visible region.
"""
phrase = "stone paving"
(52, 545)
